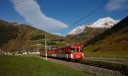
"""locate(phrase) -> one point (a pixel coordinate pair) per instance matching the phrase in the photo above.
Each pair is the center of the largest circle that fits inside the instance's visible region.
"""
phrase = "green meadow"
(34, 66)
(112, 47)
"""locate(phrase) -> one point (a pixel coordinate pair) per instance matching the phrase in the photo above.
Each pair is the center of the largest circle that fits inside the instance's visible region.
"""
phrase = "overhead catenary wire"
(100, 12)
(103, 11)
(86, 15)
(92, 12)
(120, 13)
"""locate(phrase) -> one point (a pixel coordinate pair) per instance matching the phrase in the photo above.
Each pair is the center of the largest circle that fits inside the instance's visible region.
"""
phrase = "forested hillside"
(16, 37)
(7, 32)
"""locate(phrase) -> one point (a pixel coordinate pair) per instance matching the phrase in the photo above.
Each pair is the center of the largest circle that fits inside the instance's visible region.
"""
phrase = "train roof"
(70, 46)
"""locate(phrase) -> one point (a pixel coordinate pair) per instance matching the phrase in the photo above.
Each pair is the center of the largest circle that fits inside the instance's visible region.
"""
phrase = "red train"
(73, 52)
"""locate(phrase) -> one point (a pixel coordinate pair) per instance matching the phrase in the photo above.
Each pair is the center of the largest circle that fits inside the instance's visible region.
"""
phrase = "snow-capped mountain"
(101, 23)
(77, 30)
(104, 23)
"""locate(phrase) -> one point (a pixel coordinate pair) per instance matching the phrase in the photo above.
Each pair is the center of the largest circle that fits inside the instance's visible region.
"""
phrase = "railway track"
(121, 68)
(112, 66)
(94, 69)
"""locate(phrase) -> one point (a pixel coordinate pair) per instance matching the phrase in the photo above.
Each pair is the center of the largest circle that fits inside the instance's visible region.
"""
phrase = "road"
(113, 60)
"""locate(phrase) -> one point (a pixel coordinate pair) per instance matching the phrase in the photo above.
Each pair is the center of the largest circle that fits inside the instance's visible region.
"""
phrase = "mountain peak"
(77, 30)
(104, 23)
(107, 22)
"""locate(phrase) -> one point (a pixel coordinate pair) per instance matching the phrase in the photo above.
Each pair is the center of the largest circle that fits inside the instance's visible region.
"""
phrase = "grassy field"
(107, 54)
(110, 47)
(33, 66)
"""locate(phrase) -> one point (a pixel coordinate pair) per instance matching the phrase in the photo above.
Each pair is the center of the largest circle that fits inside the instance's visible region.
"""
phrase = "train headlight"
(82, 54)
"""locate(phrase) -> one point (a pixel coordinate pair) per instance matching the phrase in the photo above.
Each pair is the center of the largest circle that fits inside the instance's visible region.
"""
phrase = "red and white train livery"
(73, 52)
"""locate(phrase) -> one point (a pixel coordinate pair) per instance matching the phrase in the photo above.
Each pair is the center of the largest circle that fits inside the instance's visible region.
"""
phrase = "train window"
(72, 49)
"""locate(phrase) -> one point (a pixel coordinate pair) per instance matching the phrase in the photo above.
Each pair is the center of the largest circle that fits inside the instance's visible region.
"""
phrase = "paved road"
(113, 60)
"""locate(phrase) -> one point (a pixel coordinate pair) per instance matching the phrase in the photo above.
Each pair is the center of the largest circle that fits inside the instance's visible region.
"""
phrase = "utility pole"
(45, 48)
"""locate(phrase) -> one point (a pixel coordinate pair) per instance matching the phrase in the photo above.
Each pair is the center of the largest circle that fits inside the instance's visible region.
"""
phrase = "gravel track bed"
(87, 68)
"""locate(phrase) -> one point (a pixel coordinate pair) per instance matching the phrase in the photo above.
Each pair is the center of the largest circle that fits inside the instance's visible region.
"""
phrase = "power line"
(120, 13)
(87, 15)
(103, 11)
(91, 12)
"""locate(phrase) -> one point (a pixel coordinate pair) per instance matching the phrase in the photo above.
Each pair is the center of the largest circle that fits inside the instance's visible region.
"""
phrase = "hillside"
(87, 35)
(85, 32)
(16, 37)
(7, 32)
(112, 42)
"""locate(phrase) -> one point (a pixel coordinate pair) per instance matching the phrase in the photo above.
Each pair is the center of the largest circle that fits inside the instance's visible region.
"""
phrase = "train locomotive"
(72, 52)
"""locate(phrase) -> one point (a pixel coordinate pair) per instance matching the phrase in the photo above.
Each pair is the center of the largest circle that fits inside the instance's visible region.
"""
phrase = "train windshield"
(72, 49)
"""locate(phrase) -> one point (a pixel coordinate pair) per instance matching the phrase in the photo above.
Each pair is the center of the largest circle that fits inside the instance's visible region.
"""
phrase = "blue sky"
(61, 16)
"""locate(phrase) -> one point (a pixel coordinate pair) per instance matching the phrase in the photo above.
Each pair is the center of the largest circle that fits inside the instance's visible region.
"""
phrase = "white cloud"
(113, 5)
(30, 10)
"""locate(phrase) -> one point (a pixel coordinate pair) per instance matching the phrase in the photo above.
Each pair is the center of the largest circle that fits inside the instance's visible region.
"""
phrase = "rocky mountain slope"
(101, 23)
(83, 33)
